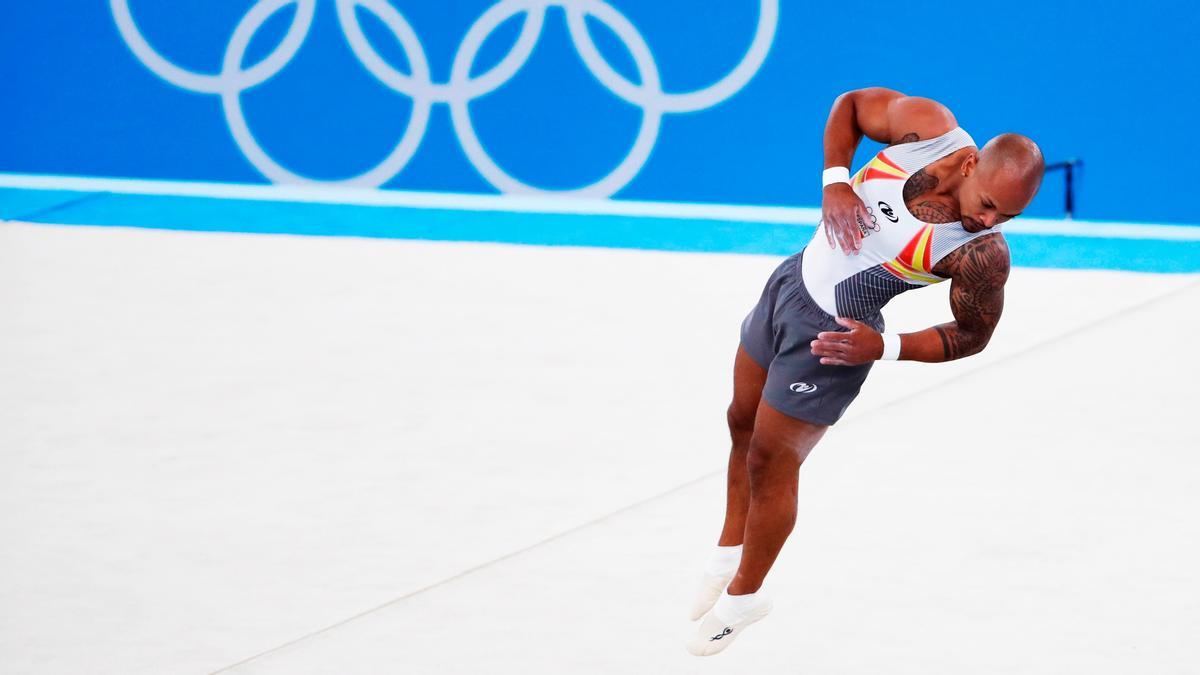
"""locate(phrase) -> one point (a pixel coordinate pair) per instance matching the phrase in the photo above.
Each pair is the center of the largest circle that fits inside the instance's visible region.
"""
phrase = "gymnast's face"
(992, 192)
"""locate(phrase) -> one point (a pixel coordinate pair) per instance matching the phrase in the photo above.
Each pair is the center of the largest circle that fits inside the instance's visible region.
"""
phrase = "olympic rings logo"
(234, 79)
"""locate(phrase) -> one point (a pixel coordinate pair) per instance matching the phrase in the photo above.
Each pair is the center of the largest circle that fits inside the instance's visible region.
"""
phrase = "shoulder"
(915, 118)
(983, 260)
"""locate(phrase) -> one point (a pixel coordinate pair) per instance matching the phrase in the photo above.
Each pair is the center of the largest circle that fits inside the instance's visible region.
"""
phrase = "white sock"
(723, 561)
(733, 608)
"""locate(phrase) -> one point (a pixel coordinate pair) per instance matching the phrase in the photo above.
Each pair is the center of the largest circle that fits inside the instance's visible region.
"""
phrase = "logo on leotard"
(887, 211)
(722, 634)
(802, 387)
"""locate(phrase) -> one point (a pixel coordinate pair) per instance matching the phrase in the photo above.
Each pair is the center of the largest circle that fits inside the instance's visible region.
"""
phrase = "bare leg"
(748, 381)
(778, 447)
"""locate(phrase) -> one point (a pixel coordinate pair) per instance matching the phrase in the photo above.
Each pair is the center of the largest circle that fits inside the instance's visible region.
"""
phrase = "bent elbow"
(978, 344)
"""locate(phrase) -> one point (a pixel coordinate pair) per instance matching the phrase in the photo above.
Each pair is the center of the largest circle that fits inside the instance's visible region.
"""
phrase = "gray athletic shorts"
(777, 333)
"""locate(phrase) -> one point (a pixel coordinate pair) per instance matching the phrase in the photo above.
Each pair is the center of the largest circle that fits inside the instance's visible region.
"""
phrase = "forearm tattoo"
(910, 137)
(979, 270)
(946, 345)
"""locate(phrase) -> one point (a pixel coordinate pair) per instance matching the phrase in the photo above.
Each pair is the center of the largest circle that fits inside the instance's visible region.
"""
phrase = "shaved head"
(1014, 159)
(999, 181)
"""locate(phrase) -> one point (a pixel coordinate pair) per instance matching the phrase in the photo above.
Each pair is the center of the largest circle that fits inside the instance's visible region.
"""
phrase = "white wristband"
(835, 174)
(891, 346)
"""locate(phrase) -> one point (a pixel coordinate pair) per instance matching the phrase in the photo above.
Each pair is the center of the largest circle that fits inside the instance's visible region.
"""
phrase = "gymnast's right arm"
(882, 115)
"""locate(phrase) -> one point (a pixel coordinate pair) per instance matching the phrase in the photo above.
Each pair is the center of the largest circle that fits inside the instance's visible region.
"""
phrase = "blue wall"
(1112, 82)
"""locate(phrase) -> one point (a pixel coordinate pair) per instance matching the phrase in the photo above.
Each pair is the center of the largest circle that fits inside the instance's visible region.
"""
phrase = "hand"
(861, 344)
(841, 213)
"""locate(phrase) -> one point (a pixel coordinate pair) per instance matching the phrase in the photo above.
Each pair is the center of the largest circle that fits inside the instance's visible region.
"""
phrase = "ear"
(969, 164)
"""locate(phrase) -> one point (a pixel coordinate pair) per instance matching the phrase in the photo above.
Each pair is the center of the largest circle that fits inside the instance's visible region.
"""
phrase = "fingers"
(833, 353)
(833, 336)
(861, 218)
(833, 349)
(845, 219)
(835, 231)
(837, 348)
(828, 233)
(843, 226)
(850, 236)
(838, 230)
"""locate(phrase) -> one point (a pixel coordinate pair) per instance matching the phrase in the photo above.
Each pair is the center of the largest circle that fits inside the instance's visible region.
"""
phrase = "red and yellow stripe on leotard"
(879, 167)
(914, 262)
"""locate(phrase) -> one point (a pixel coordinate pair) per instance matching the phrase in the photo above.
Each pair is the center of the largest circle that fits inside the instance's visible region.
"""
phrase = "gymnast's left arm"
(979, 270)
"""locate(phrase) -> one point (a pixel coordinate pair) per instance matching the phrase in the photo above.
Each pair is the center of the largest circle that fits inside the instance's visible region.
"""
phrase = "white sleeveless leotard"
(899, 251)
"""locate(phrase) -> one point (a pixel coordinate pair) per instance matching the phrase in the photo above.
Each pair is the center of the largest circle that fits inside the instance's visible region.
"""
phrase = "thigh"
(783, 439)
(748, 381)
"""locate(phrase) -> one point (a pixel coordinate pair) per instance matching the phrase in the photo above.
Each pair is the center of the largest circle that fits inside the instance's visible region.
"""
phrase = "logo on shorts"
(802, 387)
(722, 634)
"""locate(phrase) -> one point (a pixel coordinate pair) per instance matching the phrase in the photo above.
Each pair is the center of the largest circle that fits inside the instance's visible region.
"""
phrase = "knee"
(759, 463)
(741, 425)
(769, 463)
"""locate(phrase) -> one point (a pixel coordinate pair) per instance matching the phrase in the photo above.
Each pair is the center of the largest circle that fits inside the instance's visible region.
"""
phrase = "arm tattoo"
(934, 212)
(928, 211)
(918, 184)
(979, 269)
(910, 137)
(945, 341)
